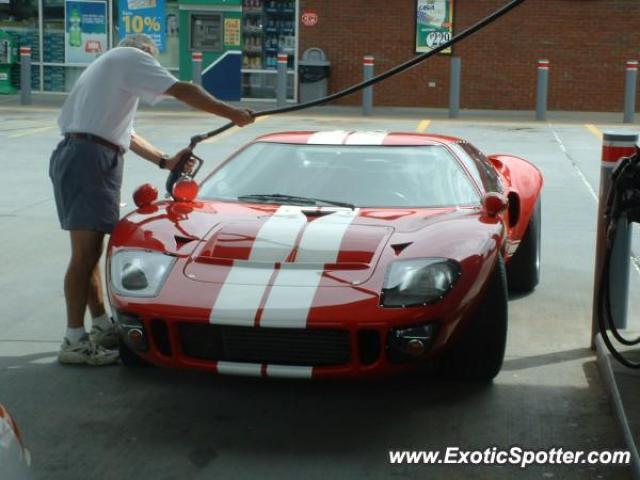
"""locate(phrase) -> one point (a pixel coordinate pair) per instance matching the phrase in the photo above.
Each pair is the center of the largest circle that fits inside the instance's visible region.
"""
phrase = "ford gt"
(15, 459)
(330, 255)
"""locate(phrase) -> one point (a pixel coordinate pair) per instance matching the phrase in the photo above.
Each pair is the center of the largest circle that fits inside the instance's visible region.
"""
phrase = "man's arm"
(143, 148)
(196, 97)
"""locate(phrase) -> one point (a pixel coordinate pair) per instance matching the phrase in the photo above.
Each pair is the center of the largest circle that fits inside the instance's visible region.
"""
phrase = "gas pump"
(8, 58)
(622, 208)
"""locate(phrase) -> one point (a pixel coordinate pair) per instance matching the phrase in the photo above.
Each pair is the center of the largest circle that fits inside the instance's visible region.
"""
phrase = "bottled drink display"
(75, 29)
(269, 28)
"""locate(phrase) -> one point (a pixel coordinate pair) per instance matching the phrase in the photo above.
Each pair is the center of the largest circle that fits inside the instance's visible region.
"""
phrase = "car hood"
(302, 244)
(256, 244)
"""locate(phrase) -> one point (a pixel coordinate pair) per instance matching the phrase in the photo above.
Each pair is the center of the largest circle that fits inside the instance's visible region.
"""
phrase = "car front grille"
(281, 346)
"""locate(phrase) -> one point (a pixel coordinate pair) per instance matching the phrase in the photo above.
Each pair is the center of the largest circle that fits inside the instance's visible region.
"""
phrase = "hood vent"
(315, 214)
(398, 248)
(182, 241)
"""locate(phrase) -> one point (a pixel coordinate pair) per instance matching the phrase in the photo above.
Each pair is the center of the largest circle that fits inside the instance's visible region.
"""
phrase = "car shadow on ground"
(188, 424)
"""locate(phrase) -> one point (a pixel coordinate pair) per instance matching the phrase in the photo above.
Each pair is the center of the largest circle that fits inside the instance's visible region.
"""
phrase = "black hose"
(606, 321)
(614, 201)
(195, 140)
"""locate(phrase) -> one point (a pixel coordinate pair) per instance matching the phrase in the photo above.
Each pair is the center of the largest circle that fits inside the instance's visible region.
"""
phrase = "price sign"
(435, 39)
(434, 24)
(144, 16)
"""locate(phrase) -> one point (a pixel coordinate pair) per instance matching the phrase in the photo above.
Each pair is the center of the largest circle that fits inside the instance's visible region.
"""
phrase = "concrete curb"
(52, 101)
(606, 370)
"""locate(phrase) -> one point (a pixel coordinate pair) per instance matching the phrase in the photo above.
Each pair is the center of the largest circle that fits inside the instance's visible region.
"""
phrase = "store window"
(53, 46)
(269, 28)
(19, 18)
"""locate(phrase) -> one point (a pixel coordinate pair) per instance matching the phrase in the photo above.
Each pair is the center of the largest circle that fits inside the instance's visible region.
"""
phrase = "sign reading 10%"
(139, 24)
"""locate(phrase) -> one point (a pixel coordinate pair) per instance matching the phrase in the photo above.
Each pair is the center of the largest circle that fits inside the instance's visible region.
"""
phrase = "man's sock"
(103, 321)
(74, 335)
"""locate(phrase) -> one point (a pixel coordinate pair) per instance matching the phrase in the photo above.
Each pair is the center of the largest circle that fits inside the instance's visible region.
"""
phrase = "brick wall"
(587, 42)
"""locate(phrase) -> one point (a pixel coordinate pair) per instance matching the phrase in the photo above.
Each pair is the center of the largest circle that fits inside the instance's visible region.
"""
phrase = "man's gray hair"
(140, 41)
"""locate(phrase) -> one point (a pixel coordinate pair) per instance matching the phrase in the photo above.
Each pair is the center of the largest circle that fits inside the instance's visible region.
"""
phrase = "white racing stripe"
(243, 289)
(289, 371)
(238, 368)
(322, 238)
(240, 296)
(367, 138)
(14, 460)
(335, 137)
(278, 235)
(294, 289)
(255, 370)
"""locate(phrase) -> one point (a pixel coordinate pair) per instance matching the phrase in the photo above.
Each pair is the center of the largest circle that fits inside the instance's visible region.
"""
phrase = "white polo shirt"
(105, 98)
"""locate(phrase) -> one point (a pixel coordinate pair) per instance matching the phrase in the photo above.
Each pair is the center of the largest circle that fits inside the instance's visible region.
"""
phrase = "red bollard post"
(281, 83)
(542, 89)
(367, 94)
(25, 75)
(196, 68)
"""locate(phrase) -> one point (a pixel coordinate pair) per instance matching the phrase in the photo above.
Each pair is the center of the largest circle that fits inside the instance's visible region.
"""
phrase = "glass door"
(268, 28)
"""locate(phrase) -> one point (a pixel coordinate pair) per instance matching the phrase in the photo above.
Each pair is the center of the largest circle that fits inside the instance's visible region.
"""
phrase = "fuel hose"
(176, 172)
(622, 203)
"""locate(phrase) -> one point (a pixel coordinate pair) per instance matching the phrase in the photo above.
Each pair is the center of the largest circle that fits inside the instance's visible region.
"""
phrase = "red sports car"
(330, 254)
(14, 457)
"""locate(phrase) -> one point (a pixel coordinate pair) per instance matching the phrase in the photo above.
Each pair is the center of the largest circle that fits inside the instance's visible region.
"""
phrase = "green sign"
(85, 31)
(434, 24)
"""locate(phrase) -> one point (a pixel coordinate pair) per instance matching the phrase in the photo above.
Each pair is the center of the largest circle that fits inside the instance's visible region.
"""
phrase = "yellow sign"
(232, 31)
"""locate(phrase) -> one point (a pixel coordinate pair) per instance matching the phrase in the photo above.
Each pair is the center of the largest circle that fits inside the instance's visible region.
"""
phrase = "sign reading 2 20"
(434, 24)
(144, 16)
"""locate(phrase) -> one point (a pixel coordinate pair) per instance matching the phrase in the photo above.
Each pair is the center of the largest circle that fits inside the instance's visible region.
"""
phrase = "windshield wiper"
(281, 198)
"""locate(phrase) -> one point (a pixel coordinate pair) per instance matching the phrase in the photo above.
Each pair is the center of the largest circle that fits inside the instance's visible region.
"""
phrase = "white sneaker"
(85, 352)
(104, 337)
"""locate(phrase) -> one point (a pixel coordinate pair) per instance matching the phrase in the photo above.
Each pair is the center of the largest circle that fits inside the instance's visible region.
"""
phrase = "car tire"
(478, 353)
(129, 358)
(523, 269)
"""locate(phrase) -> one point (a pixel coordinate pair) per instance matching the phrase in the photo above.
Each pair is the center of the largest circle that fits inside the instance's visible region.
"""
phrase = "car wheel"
(478, 353)
(523, 269)
(129, 358)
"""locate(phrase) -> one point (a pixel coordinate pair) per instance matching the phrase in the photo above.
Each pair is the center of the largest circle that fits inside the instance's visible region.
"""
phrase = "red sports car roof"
(343, 137)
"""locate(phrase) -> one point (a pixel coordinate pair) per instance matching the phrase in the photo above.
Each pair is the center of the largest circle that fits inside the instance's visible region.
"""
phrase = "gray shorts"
(86, 183)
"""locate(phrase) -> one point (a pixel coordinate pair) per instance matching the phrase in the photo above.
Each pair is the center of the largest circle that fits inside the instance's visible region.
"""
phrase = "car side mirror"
(145, 195)
(494, 203)
(185, 190)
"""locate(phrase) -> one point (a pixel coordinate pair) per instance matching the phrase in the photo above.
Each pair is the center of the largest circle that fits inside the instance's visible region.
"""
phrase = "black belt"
(96, 139)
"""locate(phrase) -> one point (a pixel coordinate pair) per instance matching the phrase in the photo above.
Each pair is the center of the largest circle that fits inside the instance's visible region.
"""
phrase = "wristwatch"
(163, 160)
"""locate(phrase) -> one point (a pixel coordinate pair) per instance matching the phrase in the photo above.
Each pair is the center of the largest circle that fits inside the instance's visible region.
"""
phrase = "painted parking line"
(595, 130)
(567, 155)
(32, 131)
(15, 126)
(232, 131)
(423, 126)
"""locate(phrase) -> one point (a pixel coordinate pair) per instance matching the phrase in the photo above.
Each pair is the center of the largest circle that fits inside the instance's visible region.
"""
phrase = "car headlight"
(139, 273)
(419, 281)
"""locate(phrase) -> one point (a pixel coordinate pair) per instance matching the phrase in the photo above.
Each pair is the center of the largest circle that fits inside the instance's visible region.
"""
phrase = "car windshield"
(362, 176)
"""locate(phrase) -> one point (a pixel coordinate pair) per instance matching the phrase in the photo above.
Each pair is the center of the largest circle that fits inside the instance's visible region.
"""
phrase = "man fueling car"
(86, 171)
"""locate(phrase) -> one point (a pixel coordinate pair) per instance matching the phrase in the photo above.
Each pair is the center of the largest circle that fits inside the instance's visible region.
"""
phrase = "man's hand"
(173, 161)
(241, 116)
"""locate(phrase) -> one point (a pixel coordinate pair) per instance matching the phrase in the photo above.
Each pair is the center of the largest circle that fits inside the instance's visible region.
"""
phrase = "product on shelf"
(268, 29)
